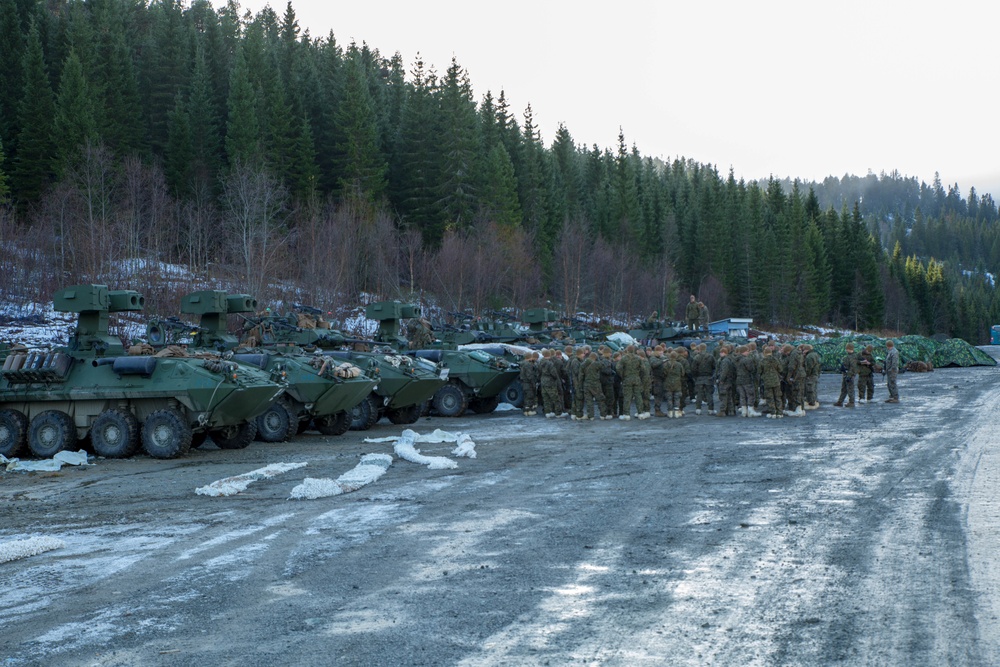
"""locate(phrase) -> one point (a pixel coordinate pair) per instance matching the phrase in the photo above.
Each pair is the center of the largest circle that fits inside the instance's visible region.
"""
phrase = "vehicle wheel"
(513, 393)
(484, 406)
(406, 415)
(234, 437)
(115, 434)
(13, 432)
(276, 424)
(51, 432)
(333, 424)
(166, 434)
(364, 414)
(449, 401)
(198, 439)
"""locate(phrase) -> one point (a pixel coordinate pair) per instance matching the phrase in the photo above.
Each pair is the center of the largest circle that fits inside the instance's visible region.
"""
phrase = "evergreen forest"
(140, 136)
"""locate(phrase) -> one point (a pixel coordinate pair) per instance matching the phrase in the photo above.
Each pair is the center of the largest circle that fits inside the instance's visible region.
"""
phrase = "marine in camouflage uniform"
(646, 373)
(529, 384)
(656, 362)
(619, 402)
(848, 371)
(702, 316)
(703, 368)
(691, 313)
(629, 369)
(770, 375)
(608, 382)
(814, 366)
(795, 376)
(758, 358)
(568, 371)
(420, 336)
(891, 366)
(581, 357)
(725, 375)
(590, 374)
(866, 375)
(551, 385)
(673, 384)
(745, 369)
(687, 389)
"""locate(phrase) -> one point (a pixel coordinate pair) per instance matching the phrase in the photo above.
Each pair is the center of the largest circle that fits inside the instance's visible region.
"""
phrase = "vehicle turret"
(94, 303)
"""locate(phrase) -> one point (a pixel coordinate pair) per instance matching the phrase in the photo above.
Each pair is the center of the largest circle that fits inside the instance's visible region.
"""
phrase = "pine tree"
(12, 45)
(74, 122)
(499, 196)
(361, 165)
(242, 128)
(204, 123)
(179, 160)
(461, 174)
(35, 145)
(118, 106)
(4, 187)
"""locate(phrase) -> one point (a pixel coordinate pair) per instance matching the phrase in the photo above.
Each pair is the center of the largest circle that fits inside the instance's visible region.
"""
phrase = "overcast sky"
(800, 89)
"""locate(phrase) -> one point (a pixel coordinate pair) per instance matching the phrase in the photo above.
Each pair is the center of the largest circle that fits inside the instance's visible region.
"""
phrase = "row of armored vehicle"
(166, 398)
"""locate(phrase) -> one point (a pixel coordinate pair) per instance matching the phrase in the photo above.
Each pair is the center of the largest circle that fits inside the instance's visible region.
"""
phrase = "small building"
(734, 327)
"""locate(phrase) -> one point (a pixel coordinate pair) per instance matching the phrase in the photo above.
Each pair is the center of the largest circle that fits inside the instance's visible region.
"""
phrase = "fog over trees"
(135, 136)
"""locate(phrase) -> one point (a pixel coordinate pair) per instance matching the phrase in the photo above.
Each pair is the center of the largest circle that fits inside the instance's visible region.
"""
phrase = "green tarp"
(951, 352)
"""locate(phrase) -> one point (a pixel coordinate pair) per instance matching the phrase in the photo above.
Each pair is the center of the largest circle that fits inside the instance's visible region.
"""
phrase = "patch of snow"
(30, 547)
(405, 447)
(230, 486)
(371, 467)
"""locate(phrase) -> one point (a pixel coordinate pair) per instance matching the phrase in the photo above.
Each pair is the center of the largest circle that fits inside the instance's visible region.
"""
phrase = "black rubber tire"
(484, 406)
(13, 432)
(364, 415)
(51, 432)
(450, 401)
(166, 434)
(115, 434)
(234, 437)
(276, 424)
(198, 438)
(513, 393)
(408, 414)
(333, 424)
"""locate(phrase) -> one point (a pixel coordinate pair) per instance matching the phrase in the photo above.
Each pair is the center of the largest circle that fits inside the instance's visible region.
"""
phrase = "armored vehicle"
(50, 400)
(319, 390)
(405, 383)
(475, 378)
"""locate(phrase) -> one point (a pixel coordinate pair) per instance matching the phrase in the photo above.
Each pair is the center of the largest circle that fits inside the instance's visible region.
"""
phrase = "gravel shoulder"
(864, 536)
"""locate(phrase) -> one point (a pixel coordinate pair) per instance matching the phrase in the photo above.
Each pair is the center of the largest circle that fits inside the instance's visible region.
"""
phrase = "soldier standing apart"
(726, 375)
(745, 368)
(891, 371)
(656, 362)
(529, 384)
(866, 375)
(770, 375)
(691, 313)
(848, 370)
(703, 369)
(673, 384)
(590, 372)
(814, 366)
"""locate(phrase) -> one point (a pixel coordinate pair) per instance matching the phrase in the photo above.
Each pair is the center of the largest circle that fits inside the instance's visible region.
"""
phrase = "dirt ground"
(864, 536)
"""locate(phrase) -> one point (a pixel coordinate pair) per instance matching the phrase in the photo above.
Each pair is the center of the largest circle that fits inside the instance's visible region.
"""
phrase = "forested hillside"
(137, 135)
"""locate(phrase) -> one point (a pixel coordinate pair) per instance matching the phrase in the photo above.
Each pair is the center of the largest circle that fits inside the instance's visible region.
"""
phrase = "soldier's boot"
(660, 413)
(840, 403)
(850, 404)
(752, 413)
(743, 411)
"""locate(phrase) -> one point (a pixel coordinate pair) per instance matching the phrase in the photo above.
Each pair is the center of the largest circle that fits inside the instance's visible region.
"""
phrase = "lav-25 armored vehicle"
(475, 378)
(51, 400)
(319, 390)
(405, 383)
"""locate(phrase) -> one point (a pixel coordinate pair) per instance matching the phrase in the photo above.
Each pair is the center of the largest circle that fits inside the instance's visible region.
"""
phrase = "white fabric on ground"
(405, 447)
(230, 486)
(30, 547)
(78, 458)
(371, 467)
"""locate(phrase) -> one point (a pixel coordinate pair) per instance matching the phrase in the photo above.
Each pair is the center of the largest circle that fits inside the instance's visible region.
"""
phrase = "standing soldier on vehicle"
(848, 371)
(726, 377)
(703, 368)
(866, 375)
(529, 384)
(702, 316)
(770, 375)
(691, 313)
(891, 366)
(814, 366)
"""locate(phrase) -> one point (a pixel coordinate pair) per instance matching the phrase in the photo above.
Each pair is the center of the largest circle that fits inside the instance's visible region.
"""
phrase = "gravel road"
(856, 537)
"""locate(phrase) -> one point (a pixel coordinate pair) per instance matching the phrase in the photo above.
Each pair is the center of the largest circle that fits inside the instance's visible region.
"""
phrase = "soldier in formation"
(848, 373)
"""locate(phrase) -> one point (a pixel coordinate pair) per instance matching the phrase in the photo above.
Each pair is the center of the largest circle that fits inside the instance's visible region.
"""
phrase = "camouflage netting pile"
(952, 352)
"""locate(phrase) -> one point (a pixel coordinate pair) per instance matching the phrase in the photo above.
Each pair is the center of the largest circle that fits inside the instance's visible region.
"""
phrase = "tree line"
(137, 136)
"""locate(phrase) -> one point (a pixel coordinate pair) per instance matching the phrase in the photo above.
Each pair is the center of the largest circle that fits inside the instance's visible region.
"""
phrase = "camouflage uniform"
(726, 377)
(673, 385)
(703, 370)
(608, 384)
(551, 386)
(571, 367)
(866, 375)
(421, 337)
(891, 371)
(567, 372)
(796, 376)
(848, 370)
(656, 380)
(646, 374)
(687, 390)
(702, 315)
(581, 358)
(745, 368)
(631, 384)
(770, 375)
(691, 313)
(619, 400)
(529, 384)
(814, 366)
(590, 373)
